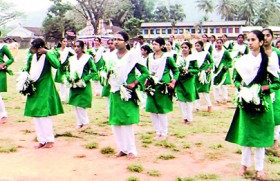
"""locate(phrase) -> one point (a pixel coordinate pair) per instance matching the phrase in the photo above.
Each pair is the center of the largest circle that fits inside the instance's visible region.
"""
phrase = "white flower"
(125, 93)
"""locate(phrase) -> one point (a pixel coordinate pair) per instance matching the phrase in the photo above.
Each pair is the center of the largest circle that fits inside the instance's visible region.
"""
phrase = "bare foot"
(48, 145)
(79, 127)
(260, 175)
(40, 145)
(275, 146)
(157, 137)
(163, 138)
(3, 120)
(131, 156)
(120, 154)
(209, 108)
(242, 170)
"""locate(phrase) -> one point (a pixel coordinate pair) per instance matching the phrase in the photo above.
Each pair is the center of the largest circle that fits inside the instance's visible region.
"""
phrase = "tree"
(227, 9)
(133, 26)
(161, 14)
(205, 5)
(143, 9)
(7, 13)
(177, 12)
(247, 10)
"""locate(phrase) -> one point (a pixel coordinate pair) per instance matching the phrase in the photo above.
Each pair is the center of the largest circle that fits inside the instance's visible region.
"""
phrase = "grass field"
(192, 152)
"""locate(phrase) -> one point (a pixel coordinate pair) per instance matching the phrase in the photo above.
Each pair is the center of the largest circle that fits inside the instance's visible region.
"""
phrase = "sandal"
(120, 154)
(48, 145)
(40, 145)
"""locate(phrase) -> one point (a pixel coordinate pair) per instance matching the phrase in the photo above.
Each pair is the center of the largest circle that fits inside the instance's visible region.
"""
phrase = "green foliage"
(166, 157)
(154, 173)
(107, 151)
(207, 176)
(133, 26)
(92, 145)
(165, 144)
(132, 178)
(185, 179)
(8, 149)
(135, 168)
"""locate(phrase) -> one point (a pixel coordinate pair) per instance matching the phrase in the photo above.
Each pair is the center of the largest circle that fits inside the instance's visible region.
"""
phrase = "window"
(175, 31)
(181, 31)
(230, 30)
(146, 31)
(192, 30)
(211, 30)
(168, 31)
(224, 30)
(157, 31)
(205, 30)
(236, 30)
(163, 31)
(152, 31)
(217, 30)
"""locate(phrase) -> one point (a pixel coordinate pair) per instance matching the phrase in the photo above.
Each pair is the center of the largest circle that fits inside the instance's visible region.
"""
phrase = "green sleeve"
(228, 59)
(28, 62)
(210, 61)
(92, 71)
(275, 83)
(173, 67)
(246, 50)
(237, 79)
(7, 52)
(210, 49)
(144, 74)
(194, 69)
(50, 55)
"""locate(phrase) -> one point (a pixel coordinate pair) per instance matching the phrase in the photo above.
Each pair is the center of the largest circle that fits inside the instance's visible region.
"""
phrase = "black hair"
(110, 40)
(270, 31)
(225, 35)
(98, 39)
(220, 39)
(171, 43)
(147, 48)
(188, 44)
(200, 43)
(59, 43)
(38, 43)
(161, 42)
(140, 37)
(242, 35)
(81, 44)
(125, 37)
(262, 72)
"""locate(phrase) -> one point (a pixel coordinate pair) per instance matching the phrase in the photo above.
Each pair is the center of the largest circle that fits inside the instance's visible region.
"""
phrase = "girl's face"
(253, 42)
(219, 44)
(224, 38)
(64, 42)
(267, 38)
(144, 52)
(213, 39)
(204, 38)
(198, 47)
(156, 47)
(168, 46)
(278, 46)
(111, 45)
(96, 43)
(119, 42)
(240, 40)
(77, 47)
(185, 49)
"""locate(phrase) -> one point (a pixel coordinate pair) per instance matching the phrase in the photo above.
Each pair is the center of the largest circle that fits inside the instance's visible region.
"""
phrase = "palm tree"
(177, 12)
(248, 10)
(227, 9)
(205, 5)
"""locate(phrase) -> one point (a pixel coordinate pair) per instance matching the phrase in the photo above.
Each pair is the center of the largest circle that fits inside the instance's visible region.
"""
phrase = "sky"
(35, 11)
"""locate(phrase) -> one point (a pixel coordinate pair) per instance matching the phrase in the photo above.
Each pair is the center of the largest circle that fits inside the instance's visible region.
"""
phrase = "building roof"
(208, 23)
(35, 30)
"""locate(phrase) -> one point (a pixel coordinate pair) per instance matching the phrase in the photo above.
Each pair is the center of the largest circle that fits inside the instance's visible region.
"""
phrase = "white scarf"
(37, 67)
(240, 48)
(226, 44)
(77, 65)
(121, 70)
(156, 66)
(200, 57)
(217, 56)
(207, 46)
(98, 53)
(63, 54)
(248, 67)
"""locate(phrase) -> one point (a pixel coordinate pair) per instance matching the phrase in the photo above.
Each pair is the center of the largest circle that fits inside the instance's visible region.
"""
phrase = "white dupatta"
(77, 65)
(121, 70)
(156, 66)
(273, 66)
(200, 57)
(37, 67)
(217, 56)
(63, 54)
(98, 53)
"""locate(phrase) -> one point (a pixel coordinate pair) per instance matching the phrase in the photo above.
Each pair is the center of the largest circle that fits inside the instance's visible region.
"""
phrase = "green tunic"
(185, 86)
(126, 112)
(252, 128)
(224, 73)
(4, 51)
(276, 103)
(208, 63)
(82, 97)
(61, 71)
(45, 101)
(228, 46)
(162, 103)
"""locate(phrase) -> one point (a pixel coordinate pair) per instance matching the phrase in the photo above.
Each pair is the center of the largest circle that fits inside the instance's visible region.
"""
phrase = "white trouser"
(276, 132)
(64, 92)
(44, 129)
(206, 97)
(160, 122)
(259, 157)
(3, 112)
(186, 110)
(97, 88)
(125, 138)
(223, 89)
(81, 115)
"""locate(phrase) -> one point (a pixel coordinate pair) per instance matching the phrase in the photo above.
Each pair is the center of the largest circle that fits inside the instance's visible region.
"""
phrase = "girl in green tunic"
(45, 101)
(124, 110)
(82, 69)
(227, 44)
(274, 56)
(63, 53)
(222, 61)
(203, 80)
(206, 44)
(253, 121)
(4, 51)
(161, 87)
(185, 86)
